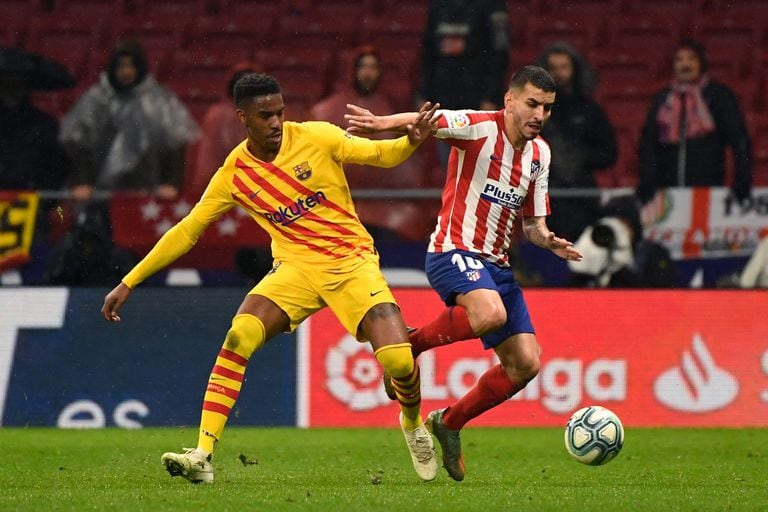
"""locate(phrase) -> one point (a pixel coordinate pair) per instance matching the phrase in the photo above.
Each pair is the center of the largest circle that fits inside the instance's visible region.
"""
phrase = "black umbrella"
(40, 73)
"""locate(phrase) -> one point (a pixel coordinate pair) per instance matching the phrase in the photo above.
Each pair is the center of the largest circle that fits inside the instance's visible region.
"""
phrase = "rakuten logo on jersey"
(504, 195)
(287, 214)
(697, 384)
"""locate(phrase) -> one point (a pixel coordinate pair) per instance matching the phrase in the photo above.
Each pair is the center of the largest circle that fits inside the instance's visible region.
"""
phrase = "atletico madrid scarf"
(684, 101)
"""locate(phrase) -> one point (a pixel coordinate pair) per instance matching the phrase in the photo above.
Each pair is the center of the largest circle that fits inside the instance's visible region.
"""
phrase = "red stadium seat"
(13, 30)
(324, 27)
(596, 9)
(618, 67)
(541, 31)
(675, 10)
(210, 70)
(656, 35)
(104, 8)
(197, 97)
(76, 33)
(159, 33)
(737, 35)
(252, 9)
(292, 64)
(172, 8)
(226, 32)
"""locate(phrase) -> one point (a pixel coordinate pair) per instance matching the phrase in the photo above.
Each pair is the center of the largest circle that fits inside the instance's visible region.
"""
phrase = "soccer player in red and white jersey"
(289, 178)
(498, 168)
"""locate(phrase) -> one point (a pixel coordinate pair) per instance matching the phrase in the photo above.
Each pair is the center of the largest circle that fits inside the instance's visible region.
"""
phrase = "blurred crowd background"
(114, 115)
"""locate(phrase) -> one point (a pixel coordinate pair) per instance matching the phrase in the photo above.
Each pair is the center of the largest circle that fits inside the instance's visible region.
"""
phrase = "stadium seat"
(13, 30)
(209, 69)
(541, 31)
(172, 8)
(596, 9)
(159, 33)
(295, 64)
(656, 35)
(252, 9)
(321, 28)
(226, 32)
(674, 10)
(726, 33)
(105, 8)
(197, 97)
(68, 40)
(617, 66)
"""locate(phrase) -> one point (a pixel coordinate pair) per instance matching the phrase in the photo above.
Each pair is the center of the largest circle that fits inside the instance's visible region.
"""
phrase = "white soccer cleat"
(192, 465)
(423, 454)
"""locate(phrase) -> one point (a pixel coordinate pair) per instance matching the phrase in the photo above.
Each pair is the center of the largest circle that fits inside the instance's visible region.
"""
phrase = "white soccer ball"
(594, 435)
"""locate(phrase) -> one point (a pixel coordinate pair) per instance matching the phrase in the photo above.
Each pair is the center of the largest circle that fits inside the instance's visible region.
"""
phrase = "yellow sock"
(244, 337)
(398, 361)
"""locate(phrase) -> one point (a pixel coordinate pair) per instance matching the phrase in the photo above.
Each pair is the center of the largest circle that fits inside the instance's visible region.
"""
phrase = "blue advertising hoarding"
(62, 364)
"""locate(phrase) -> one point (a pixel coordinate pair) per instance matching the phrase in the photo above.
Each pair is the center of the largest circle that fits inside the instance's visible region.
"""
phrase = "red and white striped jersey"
(488, 183)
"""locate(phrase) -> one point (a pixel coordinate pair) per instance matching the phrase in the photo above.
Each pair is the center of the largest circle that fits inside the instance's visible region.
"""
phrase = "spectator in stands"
(465, 56)
(616, 254)
(128, 132)
(380, 217)
(688, 126)
(31, 156)
(221, 131)
(580, 136)
(360, 87)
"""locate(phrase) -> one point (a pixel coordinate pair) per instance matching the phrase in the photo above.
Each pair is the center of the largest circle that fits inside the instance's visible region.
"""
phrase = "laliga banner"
(706, 222)
(656, 358)
(18, 211)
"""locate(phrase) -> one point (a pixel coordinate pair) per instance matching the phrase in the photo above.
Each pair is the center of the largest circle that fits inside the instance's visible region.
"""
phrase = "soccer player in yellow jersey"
(289, 178)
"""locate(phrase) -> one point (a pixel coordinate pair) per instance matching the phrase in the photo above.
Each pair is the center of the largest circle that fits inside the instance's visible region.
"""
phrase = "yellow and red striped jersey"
(301, 198)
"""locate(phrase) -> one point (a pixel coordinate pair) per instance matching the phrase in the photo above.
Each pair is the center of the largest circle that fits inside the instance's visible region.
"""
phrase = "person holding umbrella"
(31, 157)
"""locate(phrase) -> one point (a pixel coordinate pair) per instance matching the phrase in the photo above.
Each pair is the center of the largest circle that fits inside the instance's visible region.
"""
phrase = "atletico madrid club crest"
(303, 170)
(535, 166)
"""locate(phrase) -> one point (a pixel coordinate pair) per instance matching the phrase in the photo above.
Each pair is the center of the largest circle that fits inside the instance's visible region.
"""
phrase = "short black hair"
(534, 75)
(697, 48)
(254, 84)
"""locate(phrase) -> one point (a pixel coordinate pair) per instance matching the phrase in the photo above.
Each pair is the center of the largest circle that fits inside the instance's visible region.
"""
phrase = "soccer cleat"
(450, 444)
(191, 464)
(423, 454)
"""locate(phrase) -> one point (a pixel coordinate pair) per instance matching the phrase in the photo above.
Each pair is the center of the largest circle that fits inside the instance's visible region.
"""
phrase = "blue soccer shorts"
(455, 272)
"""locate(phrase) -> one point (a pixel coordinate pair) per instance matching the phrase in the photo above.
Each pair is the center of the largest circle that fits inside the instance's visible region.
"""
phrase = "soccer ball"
(594, 435)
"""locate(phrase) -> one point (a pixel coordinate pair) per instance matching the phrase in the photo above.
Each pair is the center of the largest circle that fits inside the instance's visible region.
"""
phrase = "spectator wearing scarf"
(687, 128)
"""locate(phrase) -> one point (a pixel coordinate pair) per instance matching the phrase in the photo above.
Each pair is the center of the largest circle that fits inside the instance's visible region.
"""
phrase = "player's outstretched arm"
(114, 301)
(536, 230)
(362, 120)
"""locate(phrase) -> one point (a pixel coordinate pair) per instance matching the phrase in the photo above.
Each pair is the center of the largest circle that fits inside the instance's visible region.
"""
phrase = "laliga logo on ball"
(354, 375)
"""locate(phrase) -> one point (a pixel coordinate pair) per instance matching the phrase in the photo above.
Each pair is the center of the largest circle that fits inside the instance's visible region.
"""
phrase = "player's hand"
(563, 248)
(424, 124)
(113, 301)
(362, 120)
(81, 192)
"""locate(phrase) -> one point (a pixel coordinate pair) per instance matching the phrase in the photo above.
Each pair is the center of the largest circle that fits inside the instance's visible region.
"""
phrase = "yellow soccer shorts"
(350, 289)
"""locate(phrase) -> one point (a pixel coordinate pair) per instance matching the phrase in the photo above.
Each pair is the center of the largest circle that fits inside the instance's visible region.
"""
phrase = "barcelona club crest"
(303, 170)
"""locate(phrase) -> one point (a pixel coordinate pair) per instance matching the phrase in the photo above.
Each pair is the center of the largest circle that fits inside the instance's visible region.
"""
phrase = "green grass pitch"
(370, 470)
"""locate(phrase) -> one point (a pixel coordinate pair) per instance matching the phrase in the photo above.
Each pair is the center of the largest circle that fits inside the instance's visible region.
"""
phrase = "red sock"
(493, 388)
(450, 325)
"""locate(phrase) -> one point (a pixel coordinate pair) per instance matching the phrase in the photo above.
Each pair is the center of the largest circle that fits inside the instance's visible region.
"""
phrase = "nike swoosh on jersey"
(376, 293)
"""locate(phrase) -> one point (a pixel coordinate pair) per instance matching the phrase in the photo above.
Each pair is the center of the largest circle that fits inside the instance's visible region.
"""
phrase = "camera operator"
(615, 254)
